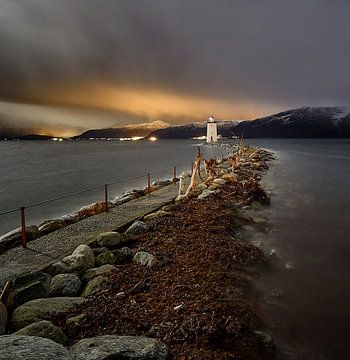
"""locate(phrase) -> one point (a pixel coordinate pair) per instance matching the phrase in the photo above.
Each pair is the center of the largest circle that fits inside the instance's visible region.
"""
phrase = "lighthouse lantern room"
(212, 130)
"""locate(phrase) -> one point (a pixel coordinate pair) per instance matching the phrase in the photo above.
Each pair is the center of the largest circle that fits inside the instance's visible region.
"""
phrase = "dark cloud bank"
(241, 58)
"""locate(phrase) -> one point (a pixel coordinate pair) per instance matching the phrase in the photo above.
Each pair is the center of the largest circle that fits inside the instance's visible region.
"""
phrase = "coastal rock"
(161, 183)
(51, 225)
(74, 324)
(265, 339)
(13, 238)
(137, 228)
(81, 259)
(65, 285)
(105, 258)
(159, 213)
(205, 194)
(170, 207)
(99, 250)
(180, 198)
(110, 239)
(17, 347)
(29, 287)
(104, 270)
(122, 255)
(214, 186)
(144, 258)
(119, 347)
(92, 209)
(93, 285)
(230, 178)
(3, 318)
(202, 186)
(42, 309)
(44, 329)
(220, 181)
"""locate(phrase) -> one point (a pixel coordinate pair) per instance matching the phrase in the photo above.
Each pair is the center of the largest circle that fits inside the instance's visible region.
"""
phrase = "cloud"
(175, 59)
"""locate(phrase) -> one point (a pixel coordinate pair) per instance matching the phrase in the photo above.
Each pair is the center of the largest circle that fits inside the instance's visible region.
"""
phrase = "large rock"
(205, 194)
(49, 226)
(65, 285)
(3, 318)
(92, 209)
(29, 287)
(104, 270)
(160, 183)
(119, 347)
(105, 258)
(16, 347)
(110, 239)
(13, 238)
(213, 186)
(44, 329)
(159, 213)
(137, 228)
(81, 259)
(74, 324)
(122, 255)
(42, 309)
(220, 181)
(93, 285)
(144, 258)
(230, 177)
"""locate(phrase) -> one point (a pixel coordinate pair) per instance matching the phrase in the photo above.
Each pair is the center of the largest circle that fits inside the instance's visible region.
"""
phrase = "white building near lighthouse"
(212, 130)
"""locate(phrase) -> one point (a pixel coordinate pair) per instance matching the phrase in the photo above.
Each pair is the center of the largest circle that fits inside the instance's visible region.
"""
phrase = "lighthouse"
(212, 130)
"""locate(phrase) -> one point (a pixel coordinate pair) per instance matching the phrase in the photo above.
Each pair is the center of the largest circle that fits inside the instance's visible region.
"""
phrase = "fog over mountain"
(86, 64)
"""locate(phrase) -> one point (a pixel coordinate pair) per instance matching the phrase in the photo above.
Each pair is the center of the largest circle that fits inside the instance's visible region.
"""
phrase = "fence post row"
(22, 209)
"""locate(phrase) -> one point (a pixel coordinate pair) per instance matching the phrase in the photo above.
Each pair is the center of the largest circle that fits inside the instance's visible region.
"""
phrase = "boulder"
(110, 239)
(17, 347)
(81, 259)
(220, 181)
(119, 347)
(3, 318)
(160, 183)
(44, 329)
(122, 255)
(42, 309)
(65, 285)
(92, 209)
(99, 250)
(105, 258)
(93, 285)
(170, 207)
(104, 270)
(137, 228)
(74, 324)
(230, 178)
(205, 194)
(213, 186)
(13, 238)
(144, 258)
(51, 225)
(29, 287)
(202, 186)
(159, 213)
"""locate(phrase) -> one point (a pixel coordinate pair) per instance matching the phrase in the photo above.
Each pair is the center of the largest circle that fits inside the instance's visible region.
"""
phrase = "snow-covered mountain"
(306, 122)
(125, 131)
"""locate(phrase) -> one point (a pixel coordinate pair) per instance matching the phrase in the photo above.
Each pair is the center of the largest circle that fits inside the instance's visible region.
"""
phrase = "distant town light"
(153, 138)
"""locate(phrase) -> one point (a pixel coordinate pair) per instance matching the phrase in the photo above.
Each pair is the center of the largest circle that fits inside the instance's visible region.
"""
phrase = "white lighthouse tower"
(212, 130)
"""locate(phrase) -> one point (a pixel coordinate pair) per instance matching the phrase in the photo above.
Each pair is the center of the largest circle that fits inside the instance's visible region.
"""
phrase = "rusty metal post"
(149, 184)
(106, 197)
(191, 167)
(174, 174)
(23, 228)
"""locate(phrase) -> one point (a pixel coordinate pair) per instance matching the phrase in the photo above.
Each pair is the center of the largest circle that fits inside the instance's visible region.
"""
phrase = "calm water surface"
(307, 302)
(33, 171)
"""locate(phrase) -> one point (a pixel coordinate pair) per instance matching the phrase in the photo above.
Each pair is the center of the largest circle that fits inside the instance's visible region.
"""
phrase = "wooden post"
(149, 184)
(174, 174)
(106, 197)
(23, 228)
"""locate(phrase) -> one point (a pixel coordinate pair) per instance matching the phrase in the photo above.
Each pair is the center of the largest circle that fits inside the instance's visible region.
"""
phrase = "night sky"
(69, 65)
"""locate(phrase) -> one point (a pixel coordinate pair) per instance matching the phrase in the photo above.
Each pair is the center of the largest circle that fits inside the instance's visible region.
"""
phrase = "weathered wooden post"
(23, 228)
(174, 174)
(106, 198)
(149, 184)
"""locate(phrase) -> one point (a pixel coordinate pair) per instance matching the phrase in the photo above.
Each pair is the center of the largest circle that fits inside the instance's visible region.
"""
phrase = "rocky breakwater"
(176, 284)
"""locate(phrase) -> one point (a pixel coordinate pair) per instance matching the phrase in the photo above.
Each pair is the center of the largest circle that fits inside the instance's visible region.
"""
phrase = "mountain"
(306, 122)
(189, 131)
(124, 132)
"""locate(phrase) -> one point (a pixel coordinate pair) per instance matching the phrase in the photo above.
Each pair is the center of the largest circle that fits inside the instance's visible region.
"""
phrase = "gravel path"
(47, 249)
